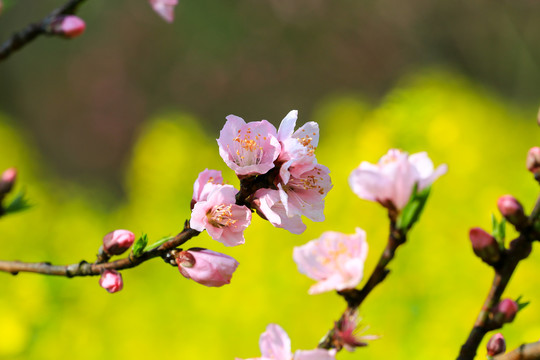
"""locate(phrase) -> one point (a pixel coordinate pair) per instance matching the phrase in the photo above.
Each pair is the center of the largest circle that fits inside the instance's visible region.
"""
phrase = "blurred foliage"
(423, 310)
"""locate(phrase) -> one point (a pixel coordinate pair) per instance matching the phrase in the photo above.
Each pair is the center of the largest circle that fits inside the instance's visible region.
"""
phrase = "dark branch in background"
(355, 297)
(32, 31)
(518, 250)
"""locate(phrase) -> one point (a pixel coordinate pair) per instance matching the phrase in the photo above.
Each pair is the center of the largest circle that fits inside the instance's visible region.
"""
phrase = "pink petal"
(275, 343)
(317, 354)
(287, 125)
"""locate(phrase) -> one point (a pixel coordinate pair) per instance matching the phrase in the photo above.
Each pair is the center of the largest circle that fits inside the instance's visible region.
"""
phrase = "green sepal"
(158, 243)
(412, 211)
(19, 203)
(521, 305)
(140, 245)
(498, 230)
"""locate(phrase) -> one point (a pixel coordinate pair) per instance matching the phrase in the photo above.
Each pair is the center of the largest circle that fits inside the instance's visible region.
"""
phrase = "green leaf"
(412, 211)
(498, 230)
(159, 243)
(140, 244)
(521, 305)
(19, 203)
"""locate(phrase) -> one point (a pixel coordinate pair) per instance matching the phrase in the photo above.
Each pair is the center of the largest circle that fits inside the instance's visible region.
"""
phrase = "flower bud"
(69, 26)
(512, 210)
(7, 180)
(206, 267)
(118, 241)
(485, 246)
(111, 281)
(533, 160)
(505, 311)
(496, 345)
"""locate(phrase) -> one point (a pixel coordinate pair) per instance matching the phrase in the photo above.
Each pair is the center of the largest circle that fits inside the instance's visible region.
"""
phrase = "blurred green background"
(424, 309)
(110, 130)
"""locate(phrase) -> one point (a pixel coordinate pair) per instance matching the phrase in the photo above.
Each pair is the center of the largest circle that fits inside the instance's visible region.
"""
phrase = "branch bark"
(86, 269)
(524, 352)
(32, 31)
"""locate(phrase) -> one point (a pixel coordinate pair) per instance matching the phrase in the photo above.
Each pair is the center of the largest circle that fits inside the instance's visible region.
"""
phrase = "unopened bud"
(206, 267)
(7, 180)
(533, 160)
(111, 281)
(505, 311)
(69, 26)
(496, 345)
(118, 241)
(485, 246)
(512, 210)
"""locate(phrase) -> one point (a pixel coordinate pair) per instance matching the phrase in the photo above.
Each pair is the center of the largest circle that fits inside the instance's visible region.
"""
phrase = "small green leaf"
(521, 305)
(412, 211)
(140, 244)
(498, 230)
(19, 203)
(159, 243)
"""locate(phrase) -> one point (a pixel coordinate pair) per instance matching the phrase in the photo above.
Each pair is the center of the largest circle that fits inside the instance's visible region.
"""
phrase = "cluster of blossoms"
(279, 175)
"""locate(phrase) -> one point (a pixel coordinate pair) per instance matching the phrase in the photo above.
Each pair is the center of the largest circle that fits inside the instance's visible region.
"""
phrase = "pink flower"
(302, 195)
(248, 148)
(69, 26)
(269, 204)
(207, 181)
(118, 241)
(496, 345)
(335, 260)
(7, 180)
(276, 345)
(505, 311)
(111, 281)
(206, 267)
(346, 333)
(221, 217)
(164, 8)
(297, 147)
(391, 181)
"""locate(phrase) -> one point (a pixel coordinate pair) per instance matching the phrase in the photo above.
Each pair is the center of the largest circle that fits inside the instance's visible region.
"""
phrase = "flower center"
(220, 216)
(248, 150)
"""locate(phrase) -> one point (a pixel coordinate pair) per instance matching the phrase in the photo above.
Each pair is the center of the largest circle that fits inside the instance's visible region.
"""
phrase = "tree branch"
(86, 269)
(356, 297)
(524, 352)
(32, 31)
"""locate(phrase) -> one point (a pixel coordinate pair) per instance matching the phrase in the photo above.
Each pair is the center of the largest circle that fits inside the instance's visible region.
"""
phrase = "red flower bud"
(118, 241)
(496, 345)
(69, 26)
(206, 267)
(485, 246)
(505, 311)
(111, 281)
(533, 160)
(512, 210)
(7, 180)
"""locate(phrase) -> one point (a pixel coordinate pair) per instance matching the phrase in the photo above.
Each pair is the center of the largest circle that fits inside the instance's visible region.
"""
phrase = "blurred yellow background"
(423, 310)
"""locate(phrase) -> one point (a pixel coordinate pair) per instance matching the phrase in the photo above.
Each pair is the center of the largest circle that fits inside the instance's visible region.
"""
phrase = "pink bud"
(484, 245)
(533, 160)
(118, 241)
(69, 26)
(7, 180)
(505, 311)
(496, 345)
(206, 267)
(111, 281)
(512, 210)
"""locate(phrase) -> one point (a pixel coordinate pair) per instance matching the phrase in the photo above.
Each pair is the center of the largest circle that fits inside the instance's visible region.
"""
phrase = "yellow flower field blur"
(423, 310)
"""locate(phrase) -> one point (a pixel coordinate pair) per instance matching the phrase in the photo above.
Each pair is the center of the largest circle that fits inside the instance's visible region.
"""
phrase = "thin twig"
(355, 297)
(32, 31)
(519, 249)
(86, 269)
(524, 352)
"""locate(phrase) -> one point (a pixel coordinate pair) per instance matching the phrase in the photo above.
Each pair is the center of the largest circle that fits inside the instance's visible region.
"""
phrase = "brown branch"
(524, 352)
(519, 249)
(356, 297)
(32, 31)
(86, 269)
